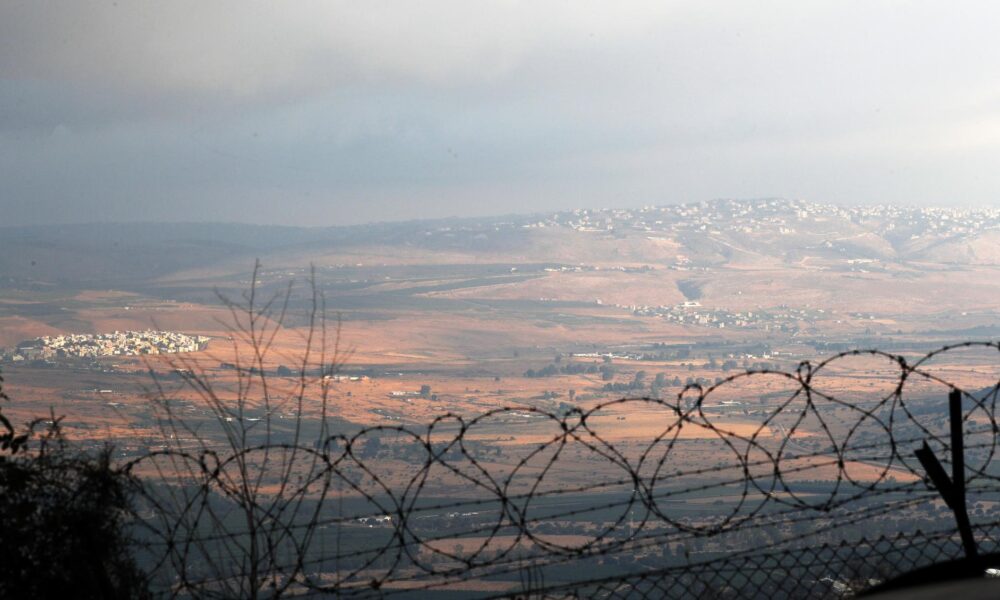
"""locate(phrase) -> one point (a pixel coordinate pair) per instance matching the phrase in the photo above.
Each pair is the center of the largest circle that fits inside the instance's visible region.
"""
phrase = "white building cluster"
(777, 217)
(118, 343)
(782, 318)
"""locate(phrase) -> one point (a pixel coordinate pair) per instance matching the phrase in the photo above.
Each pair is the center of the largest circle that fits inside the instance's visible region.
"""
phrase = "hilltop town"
(862, 236)
(118, 343)
(779, 215)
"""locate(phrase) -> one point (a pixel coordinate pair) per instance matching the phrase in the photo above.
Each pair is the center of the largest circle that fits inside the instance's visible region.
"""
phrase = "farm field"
(468, 318)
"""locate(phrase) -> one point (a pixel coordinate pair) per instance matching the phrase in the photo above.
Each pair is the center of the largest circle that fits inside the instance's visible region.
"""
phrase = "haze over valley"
(475, 304)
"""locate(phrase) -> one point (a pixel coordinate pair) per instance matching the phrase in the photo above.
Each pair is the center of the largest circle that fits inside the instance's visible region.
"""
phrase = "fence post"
(958, 472)
(952, 490)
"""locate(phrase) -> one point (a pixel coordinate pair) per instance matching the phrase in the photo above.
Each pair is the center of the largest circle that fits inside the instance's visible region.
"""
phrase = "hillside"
(725, 232)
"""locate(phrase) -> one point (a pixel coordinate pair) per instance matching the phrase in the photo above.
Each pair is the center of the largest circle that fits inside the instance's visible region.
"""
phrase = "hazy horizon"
(498, 214)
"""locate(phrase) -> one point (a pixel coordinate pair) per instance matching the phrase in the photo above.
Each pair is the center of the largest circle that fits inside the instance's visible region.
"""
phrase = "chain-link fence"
(825, 571)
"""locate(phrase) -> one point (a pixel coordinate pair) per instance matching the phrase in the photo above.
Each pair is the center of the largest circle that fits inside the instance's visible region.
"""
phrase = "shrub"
(62, 523)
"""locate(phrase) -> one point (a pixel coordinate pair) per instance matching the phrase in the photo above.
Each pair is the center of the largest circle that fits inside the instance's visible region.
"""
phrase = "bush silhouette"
(62, 522)
(62, 530)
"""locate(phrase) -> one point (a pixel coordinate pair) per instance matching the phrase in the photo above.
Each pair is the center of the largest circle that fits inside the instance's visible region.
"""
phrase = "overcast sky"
(341, 112)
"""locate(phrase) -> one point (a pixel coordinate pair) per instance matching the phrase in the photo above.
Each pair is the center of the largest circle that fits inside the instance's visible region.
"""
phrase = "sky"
(328, 113)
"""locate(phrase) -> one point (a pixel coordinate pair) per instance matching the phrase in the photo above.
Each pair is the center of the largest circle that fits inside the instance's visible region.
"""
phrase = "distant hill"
(683, 236)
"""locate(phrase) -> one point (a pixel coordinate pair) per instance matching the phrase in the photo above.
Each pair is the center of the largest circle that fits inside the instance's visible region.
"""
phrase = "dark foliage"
(62, 523)
(10, 440)
(63, 531)
(567, 369)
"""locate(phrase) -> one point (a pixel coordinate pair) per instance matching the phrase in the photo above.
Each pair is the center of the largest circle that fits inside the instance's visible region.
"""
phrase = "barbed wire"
(373, 513)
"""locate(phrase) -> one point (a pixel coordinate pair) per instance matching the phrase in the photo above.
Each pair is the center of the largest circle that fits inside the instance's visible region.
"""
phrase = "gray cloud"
(327, 112)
